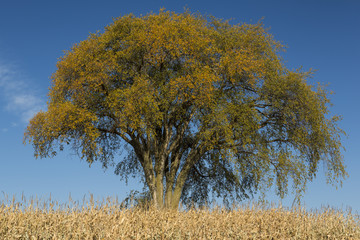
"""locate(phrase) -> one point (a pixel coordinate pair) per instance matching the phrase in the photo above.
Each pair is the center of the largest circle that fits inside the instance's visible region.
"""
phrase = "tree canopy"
(201, 106)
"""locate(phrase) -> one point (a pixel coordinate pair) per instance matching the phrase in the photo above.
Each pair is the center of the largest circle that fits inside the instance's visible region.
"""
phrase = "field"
(35, 219)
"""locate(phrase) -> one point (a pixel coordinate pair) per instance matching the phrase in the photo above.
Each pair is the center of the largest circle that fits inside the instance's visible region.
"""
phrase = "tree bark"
(159, 192)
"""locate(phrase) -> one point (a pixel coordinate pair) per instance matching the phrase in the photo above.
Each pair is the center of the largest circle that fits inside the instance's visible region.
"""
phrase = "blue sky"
(323, 35)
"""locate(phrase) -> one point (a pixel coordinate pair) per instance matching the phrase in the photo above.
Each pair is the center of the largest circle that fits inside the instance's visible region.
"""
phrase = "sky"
(323, 35)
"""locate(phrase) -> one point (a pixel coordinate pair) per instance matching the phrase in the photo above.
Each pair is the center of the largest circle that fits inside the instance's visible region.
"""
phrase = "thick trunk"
(176, 194)
(194, 156)
(170, 178)
(168, 195)
(155, 176)
(159, 193)
(175, 198)
(171, 199)
(173, 192)
(172, 196)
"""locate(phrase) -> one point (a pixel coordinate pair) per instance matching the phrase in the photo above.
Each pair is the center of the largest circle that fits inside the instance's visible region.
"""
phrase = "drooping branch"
(201, 175)
(114, 131)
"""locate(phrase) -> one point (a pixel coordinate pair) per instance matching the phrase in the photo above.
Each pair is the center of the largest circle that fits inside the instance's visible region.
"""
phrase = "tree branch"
(180, 133)
(201, 175)
(114, 131)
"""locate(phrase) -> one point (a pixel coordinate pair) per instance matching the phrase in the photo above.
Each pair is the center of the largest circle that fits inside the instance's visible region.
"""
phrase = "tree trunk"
(158, 195)
(173, 189)
(175, 199)
(168, 194)
(171, 199)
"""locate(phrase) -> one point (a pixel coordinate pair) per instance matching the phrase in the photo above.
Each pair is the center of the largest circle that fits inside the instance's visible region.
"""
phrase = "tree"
(202, 105)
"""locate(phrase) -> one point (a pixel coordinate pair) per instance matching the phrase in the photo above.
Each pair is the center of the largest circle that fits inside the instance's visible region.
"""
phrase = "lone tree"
(201, 106)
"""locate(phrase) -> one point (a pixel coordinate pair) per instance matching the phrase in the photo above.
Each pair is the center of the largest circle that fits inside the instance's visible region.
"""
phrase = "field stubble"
(109, 220)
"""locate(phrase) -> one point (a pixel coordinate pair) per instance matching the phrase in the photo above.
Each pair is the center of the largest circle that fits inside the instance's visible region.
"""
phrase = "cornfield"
(108, 219)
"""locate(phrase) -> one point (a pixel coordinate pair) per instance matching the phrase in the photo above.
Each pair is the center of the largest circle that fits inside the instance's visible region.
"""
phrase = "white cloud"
(19, 98)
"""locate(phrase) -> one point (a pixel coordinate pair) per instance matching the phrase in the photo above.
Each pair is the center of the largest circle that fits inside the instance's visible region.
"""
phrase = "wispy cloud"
(17, 96)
